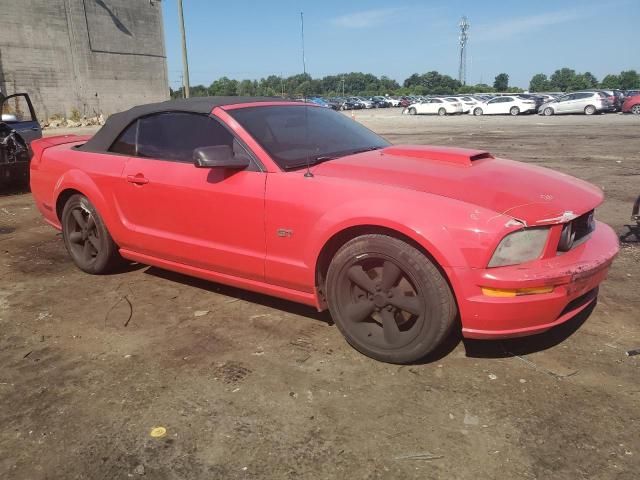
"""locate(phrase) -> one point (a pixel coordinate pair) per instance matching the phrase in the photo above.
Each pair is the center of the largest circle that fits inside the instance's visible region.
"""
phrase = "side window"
(494, 100)
(174, 136)
(435, 100)
(507, 99)
(15, 108)
(125, 144)
(580, 96)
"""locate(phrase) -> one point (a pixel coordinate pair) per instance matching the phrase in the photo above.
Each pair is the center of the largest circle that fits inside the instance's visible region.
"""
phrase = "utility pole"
(185, 62)
(463, 38)
(304, 60)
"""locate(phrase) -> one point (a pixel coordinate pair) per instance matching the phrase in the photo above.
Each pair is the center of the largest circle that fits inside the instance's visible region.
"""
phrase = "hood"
(532, 194)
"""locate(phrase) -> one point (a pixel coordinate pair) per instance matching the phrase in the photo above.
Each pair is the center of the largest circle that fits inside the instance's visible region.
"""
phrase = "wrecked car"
(18, 128)
(401, 243)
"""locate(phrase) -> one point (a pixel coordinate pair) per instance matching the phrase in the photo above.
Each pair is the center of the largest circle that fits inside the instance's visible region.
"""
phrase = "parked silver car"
(576, 102)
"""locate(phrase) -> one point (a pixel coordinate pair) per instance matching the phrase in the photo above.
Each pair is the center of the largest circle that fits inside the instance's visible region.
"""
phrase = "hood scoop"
(459, 156)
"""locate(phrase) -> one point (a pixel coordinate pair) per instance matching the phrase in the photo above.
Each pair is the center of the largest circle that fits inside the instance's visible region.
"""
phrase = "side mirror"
(218, 156)
(7, 117)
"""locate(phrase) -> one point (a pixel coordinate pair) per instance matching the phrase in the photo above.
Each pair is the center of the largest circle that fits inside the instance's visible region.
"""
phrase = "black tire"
(477, 111)
(442, 112)
(514, 111)
(636, 109)
(412, 111)
(548, 111)
(589, 110)
(86, 237)
(400, 314)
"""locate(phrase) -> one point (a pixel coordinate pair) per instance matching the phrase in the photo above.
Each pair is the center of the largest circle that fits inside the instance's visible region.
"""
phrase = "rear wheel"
(86, 237)
(548, 111)
(412, 111)
(635, 109)
(477, 111)
(388, 299)
(514, 111)
(589, 110)
(442, 112)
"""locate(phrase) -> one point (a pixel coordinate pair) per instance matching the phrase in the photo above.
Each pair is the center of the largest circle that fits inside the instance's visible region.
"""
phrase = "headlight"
(567, 237)
(519, 247)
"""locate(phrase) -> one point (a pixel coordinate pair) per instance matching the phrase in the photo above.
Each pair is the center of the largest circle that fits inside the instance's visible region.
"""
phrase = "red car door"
(211, 218)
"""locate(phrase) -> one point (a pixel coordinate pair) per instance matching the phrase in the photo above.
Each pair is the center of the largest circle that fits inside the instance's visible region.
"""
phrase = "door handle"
(138, 179)
(35, 129)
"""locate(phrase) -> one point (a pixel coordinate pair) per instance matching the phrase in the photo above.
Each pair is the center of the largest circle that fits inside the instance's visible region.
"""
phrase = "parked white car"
(468, 103)
(577, 102)
(504, 105)
(393, 101)
(434, 106)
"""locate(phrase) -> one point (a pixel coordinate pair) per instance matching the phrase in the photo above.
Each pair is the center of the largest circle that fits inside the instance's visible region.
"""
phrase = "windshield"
(295, 134)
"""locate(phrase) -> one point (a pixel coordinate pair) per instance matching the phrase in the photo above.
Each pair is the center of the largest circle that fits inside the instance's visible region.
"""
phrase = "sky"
(253, 39)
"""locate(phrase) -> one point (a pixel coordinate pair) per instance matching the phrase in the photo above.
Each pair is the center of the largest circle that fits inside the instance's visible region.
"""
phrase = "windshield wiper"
(324, 158)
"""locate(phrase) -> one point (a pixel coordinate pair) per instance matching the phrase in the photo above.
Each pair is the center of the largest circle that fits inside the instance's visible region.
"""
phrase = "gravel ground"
(248, 386)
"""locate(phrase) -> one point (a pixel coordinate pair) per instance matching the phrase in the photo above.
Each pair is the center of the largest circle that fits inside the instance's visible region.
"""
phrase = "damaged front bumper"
(574, 277)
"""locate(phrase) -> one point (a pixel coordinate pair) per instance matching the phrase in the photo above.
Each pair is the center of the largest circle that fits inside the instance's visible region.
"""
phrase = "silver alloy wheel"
(548, 111)
(636, 109)
(589, 110)
(477, 112)
(514, 111)
(442, 112)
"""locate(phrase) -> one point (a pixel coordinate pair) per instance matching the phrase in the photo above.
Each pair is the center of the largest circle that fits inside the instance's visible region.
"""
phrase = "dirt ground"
(248, 386)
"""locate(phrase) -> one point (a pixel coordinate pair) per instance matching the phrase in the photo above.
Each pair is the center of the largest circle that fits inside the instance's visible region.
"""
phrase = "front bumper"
(575, 276)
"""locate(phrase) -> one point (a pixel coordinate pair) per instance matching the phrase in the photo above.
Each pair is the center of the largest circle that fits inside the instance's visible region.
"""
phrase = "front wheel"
(477, 112)
(86, 237)
(589, 110)
(388, 299)
(514, 111)
(548, 111)
(635, 109)
(412, 111)
(442, 112)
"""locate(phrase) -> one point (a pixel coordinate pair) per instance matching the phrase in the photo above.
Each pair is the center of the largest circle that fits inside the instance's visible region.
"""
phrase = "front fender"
(455, 234)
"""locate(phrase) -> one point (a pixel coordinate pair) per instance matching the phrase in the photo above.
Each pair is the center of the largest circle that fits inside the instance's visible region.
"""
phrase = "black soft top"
(116, 123)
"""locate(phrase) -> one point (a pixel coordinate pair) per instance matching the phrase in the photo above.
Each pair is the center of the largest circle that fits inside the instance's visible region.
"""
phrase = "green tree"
(198, 91)
(629, 79)
(539, 83)
(246, 88)
(483, 88)
(590, 80)
(610, 81)
(224, 86)
(562, 79)
(501, 82)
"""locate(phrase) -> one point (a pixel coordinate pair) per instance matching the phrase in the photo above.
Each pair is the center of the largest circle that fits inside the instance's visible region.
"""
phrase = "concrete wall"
(96, 56)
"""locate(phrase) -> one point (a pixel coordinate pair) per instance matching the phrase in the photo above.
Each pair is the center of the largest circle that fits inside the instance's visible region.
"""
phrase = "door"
(210, 218)
(504, 105)
(493, 106)
(18, 113)
(564, 104)
(433, 105)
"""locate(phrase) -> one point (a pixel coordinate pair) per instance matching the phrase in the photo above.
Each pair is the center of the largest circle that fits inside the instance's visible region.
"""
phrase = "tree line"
(567, 80)
(430, 83)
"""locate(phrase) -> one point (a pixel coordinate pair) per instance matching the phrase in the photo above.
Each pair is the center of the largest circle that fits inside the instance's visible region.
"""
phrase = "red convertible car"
(399, 242)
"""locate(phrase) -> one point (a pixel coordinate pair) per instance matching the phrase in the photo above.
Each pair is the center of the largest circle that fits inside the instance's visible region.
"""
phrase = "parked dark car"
(18, 128)
(379, 102)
